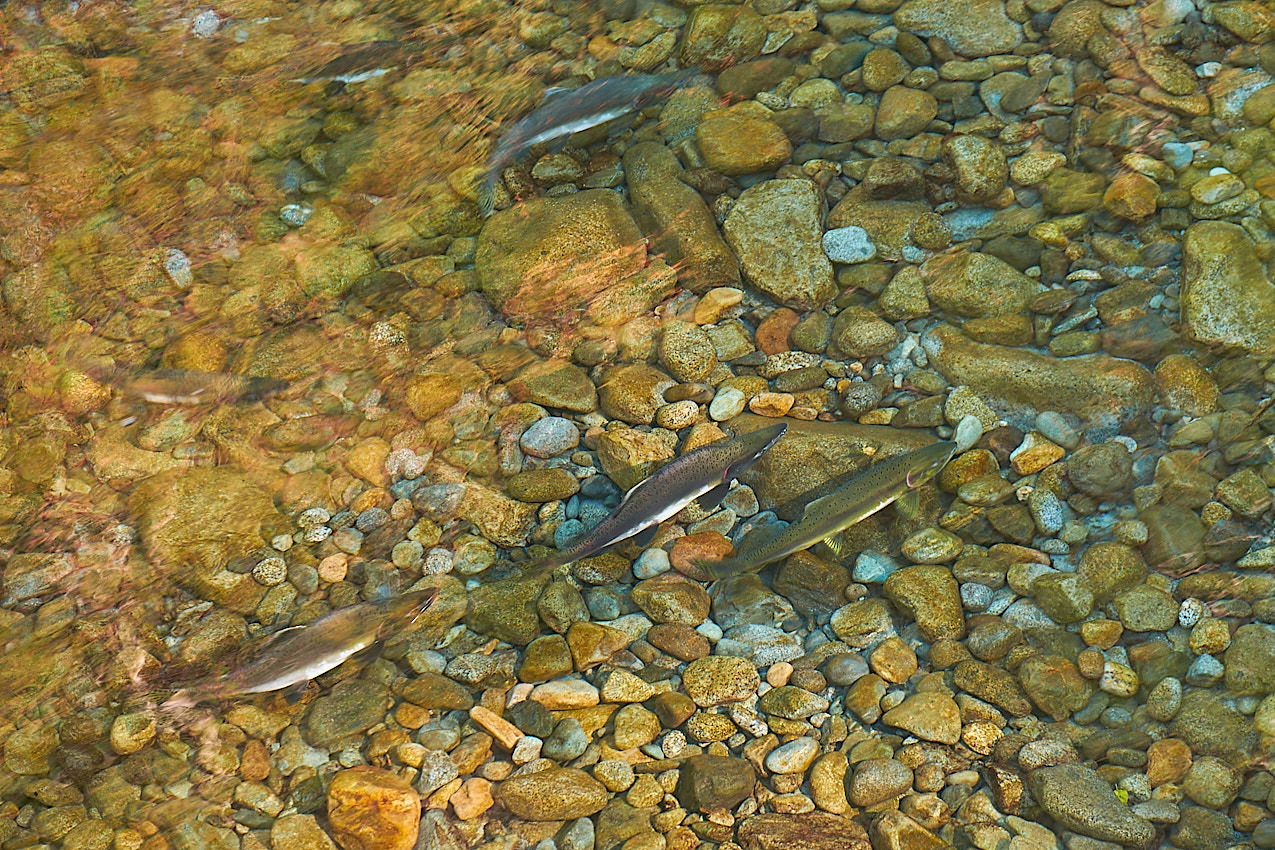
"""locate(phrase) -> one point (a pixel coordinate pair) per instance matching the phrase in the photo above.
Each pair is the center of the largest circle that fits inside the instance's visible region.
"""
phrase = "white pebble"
(1190, 612)
(727, 404)
(968, 431)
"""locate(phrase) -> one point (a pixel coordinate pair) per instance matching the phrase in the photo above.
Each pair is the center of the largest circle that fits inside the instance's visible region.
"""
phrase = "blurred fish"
(896, 479)
(704, 474)
(565, 112)
(183, 386)
(361, 62)
(295, 656)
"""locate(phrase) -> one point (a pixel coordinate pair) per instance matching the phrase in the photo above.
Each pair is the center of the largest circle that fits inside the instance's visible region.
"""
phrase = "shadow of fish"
(704, 474)
(565, 112)
(296, 655)
(824, 519)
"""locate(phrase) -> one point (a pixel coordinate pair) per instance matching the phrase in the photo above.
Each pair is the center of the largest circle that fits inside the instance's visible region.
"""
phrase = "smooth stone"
(586, 237)
(774, 228)
(1019, 383)
(368, 805)
(553, 794)
(1080, 800)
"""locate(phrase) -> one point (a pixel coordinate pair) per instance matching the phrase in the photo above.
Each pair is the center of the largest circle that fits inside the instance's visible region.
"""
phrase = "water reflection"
(264, 357)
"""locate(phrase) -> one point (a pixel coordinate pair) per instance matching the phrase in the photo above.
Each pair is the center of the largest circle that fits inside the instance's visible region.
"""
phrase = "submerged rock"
(550, 259)
(775, 230)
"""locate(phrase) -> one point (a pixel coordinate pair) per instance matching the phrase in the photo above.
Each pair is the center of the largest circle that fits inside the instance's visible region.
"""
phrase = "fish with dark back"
(704, 474)
(892, 481)
(565, 112)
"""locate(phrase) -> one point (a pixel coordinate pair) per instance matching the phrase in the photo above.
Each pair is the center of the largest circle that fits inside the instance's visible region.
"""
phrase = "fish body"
(360, 62)
(564, 113)
(857, 499)
(297, 655)
(704, 472)
(183, 386)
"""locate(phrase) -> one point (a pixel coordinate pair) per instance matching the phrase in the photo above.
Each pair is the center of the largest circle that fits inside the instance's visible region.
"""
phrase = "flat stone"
(774, 228)
(557, 793)
(1080, 800)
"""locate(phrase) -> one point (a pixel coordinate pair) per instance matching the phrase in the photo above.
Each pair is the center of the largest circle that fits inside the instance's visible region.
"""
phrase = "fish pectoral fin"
(908, 504)
(293, 693)
(710, 500)
(644, 537)
(370, 653)
(836, 544)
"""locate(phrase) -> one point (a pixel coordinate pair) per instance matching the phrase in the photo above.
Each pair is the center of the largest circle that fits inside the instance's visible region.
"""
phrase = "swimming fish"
(704, 473)
(825, 518)
(183, 386)
(564, 112)
(295, 656)
(358, 63)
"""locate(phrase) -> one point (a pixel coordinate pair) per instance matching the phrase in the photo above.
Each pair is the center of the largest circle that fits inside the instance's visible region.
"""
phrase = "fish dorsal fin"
(273, 637)
(553, 93)
(908, 504)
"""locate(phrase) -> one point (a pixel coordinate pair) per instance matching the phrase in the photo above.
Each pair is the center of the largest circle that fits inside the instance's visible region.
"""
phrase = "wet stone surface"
(297, 337)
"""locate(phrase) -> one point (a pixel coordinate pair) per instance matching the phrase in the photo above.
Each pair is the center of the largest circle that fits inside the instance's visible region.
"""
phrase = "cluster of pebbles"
(1039, 228)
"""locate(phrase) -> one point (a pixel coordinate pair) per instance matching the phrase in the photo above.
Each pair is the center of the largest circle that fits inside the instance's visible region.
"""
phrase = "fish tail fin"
(545, 565)
(184, 699)
(718, 569)
(487, 196)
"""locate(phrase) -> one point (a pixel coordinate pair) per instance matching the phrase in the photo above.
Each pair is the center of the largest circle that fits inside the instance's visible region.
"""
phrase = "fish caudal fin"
(718, 569)
(542, 566)
(182, 700)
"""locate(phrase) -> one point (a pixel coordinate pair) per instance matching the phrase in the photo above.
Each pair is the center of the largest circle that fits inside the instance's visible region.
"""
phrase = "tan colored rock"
(505, 733)
(736, 143)
(1227, 298)
(473, 798)
(430, 394)
(558, 793)
(551, 258)
(373, 808)
(681, 226)
(720, 679)
(367, 461)
(628, 456)
(930, 716)
(1018, 383)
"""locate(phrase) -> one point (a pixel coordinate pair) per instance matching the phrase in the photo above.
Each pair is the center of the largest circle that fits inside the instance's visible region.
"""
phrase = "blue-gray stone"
(550, 436)
(1205, 672)
(575, 835)
(567, 741)
(849, 245)
(872, 567)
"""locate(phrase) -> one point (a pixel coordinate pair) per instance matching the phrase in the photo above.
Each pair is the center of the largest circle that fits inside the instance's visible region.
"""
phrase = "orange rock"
(473, 798)
(1168, 760)
(772, 333)
(255, 764)
(373, 809)
(709, 545)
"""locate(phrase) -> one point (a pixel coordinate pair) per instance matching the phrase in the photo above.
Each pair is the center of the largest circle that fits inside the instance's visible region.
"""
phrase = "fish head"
(748, 449)
(929, 461)
(406, 608)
